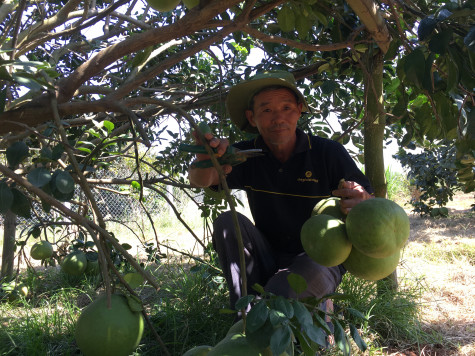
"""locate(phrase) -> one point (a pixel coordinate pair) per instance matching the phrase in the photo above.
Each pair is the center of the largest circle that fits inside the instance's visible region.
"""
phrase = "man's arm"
(204, 177)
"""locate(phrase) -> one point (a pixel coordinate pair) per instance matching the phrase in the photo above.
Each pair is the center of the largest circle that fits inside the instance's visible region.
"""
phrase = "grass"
(186, 310)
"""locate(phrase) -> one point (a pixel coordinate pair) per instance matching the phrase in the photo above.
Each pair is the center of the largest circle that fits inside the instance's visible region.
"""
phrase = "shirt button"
(281, 170)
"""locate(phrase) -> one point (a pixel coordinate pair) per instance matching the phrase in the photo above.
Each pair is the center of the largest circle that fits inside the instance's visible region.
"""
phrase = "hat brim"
(239, 97)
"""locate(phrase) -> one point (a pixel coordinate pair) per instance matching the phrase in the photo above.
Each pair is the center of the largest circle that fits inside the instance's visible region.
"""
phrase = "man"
(283, 185)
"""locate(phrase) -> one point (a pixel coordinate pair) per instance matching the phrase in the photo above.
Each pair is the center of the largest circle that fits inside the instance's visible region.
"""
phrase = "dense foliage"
(434, 184)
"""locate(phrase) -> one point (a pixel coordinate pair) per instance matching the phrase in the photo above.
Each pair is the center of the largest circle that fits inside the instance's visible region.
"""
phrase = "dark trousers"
(265, 266)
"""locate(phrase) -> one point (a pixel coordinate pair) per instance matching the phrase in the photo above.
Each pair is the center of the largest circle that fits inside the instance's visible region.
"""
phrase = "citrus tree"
(85, 83)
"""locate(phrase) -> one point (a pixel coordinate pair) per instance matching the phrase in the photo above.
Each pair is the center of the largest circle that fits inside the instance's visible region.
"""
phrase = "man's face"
(275, 114)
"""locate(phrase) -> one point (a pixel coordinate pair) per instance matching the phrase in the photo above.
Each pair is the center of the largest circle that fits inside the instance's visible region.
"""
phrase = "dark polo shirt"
(282, 195)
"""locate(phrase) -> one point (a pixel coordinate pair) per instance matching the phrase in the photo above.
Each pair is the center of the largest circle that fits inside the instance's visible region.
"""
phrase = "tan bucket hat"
(240, 95)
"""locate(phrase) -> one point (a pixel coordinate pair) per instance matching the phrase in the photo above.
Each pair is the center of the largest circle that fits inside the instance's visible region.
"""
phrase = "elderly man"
(283, 185)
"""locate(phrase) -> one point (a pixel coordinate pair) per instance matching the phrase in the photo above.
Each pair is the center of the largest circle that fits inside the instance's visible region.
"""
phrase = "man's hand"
(219, 144)
(351, 193)
(204, 177)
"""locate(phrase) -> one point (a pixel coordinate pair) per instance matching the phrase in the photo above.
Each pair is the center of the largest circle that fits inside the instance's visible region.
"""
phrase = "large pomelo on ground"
(41, 250)
(75, 263)
(202, 350)
(324, 240)
(102, 332)
(377, 227)
(235, 345)
(329, 206)
(370, 268)
(236, 328)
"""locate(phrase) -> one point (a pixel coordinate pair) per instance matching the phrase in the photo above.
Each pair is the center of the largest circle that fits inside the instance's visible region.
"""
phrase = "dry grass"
(441, 253)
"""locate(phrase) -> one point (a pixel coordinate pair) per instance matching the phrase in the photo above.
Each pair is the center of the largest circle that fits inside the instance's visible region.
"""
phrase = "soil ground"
(448, 274)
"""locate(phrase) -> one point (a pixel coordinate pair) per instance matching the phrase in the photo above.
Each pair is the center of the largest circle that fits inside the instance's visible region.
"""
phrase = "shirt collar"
(301, 145)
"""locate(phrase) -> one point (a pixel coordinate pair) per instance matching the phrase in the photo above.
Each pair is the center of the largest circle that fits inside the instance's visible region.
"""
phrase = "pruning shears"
(232, 156)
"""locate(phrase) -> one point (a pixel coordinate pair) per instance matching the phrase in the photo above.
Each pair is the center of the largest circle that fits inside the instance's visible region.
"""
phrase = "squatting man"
(283, 185)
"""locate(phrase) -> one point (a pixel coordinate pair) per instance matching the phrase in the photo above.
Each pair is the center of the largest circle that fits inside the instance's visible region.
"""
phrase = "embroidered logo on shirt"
(308, 178)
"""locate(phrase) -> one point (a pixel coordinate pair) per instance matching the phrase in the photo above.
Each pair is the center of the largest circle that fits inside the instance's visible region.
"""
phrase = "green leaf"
(21, 204)
(35, 231)
(340, 338)
(357, 338)
(321, 323)
(109, 126)
(6, 197)
(423, 116)
(302, 314)
(297, 283)
(393, 50)
(280, 340)
(84, 149)
(356, 313)
(304, 343)
(315, 334)
(426, 26)
(27, 80)
(260, 338)
(126, 246)
(303, 26)
(39, 176)
(286, 18)
(448, 113)
(440, 42)
(257, 316)
(414, 67)
(283, 305)
(453, 76)
(134, 279)
(322, 18)
(276, 317)
(64, 182)
(57, 151)
(16, 153)
(258, 288)
(243, 302)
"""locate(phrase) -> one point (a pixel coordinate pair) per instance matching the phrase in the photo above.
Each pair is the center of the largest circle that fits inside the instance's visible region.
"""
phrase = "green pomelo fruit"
(235, 345)
(201, 350)
(92, 268)
(75, 263)
(369, 268)
(116, 331)
(324, 240)
(191, 3)
(19, 291)
(377, 227)
(163, 5)
(329, 206)
(41, 250)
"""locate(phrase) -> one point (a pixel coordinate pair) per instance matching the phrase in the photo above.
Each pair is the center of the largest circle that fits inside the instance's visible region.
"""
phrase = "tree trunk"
(374, 126)
(8, 254)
